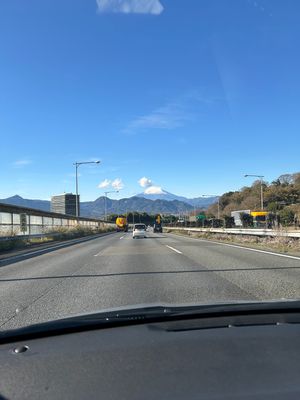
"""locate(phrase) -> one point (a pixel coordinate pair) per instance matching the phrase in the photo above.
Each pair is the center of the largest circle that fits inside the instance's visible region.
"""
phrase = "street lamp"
(261, 188)
(106, 193)
(214, 195)
(76, 167)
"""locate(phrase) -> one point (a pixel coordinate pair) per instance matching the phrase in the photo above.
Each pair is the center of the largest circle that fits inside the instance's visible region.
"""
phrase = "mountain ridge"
(96, 208)
(202, 201)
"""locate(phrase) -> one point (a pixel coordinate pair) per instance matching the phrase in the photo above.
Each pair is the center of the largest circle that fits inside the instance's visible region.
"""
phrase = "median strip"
(172, 248)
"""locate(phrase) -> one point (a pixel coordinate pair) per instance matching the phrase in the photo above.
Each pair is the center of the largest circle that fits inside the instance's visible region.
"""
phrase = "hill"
(30, 203)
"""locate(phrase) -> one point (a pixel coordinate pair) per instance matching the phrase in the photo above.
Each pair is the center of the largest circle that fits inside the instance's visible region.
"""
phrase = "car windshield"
(139, 227)
(117, 115)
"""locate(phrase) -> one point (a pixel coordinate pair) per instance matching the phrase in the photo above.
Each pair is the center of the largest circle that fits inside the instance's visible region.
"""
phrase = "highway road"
(115, 270)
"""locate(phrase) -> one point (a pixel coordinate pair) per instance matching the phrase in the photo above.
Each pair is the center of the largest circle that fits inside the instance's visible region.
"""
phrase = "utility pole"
(76, 176)
(105, 206)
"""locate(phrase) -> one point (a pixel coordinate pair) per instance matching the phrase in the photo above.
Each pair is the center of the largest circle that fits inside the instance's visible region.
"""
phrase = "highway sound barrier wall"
(15, 220)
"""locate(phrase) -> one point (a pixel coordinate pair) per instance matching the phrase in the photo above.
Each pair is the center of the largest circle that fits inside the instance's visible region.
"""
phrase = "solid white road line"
(246, 248)
(172, 248)
(122, 237)
(257, 250)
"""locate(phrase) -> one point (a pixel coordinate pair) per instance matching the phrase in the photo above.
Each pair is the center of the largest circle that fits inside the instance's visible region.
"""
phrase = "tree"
(112, 217)
(251, 202)
(274, 206)
(297, 180)
(229, 222)
(213, 210)
(225, 199)
(286, 216)
(247, 220)
(271, 220)
(286, 179)
(276, 182)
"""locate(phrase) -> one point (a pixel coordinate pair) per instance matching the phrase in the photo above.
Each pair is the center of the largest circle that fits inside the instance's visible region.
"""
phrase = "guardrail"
(238, 231)
(22, 221)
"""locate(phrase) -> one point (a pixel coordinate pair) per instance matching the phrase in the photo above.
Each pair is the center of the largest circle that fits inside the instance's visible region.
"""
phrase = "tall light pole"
(261, 189)
(106, 193)
(214, 195)
(76, 167)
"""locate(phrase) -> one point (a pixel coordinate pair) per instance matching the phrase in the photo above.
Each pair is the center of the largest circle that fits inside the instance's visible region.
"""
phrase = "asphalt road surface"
(116, 270)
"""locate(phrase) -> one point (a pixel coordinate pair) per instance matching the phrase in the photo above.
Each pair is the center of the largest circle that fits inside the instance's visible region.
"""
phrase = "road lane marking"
(122, 237)
(98, 254)
(172, 248)
(258, 251)
(247, 248)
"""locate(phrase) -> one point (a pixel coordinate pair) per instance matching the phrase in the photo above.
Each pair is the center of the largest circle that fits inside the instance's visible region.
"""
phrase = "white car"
(139, 230)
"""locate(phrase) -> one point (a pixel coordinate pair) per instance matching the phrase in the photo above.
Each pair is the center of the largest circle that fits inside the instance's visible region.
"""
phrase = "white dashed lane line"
(98, 254)
(172, 248)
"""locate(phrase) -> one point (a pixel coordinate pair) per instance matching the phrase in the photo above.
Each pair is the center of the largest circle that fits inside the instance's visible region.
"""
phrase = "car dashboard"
(189, 359)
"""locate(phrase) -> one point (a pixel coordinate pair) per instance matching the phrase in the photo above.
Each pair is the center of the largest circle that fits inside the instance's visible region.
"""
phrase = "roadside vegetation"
(59, 234)
(281, 199)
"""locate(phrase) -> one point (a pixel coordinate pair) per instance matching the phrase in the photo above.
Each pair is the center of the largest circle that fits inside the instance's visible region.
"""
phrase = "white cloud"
(174, 114)
(104, 184)
(168, 117)
(145, 182)
(149, 187)
(154, 190)
(117, 184)
(21, 163)
(153, 7)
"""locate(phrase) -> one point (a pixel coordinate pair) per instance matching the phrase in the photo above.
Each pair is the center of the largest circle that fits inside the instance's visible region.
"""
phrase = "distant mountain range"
(166, 203)
(200, 202)
(19, 201)
(97, 207)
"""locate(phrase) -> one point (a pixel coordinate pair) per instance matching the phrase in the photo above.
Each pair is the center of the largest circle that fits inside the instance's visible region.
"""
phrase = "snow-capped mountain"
(164, 195)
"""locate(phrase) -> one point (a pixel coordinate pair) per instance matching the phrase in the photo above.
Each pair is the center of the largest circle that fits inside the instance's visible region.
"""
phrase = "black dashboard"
(183, 359)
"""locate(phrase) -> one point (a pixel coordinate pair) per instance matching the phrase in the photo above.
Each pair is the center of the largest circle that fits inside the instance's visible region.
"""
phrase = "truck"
(237, 216)
(259, 217)
(157, 224)
(122, 225)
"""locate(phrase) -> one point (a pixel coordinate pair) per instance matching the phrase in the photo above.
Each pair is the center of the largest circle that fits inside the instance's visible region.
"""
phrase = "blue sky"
(189, 94)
